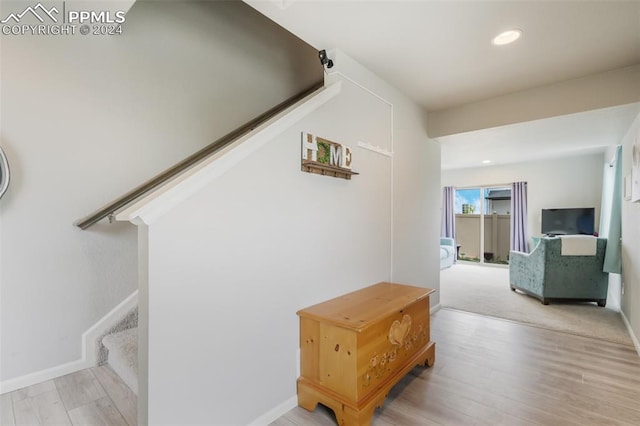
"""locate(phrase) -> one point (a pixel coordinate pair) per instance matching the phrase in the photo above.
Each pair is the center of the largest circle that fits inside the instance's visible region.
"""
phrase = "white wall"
(614, 290)
(631, 242)
(592, 92)
(84, 120)
(557, 183)
(229, 267)
(416, 189)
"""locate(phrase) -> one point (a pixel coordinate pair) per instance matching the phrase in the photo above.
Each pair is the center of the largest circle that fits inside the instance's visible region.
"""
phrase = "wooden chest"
(354, 348)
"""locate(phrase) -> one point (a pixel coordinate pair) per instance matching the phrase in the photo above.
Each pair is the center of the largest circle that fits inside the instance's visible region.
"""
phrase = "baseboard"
(42, 376)
(90, 336)
(435, 309)
(634, 339)
(88, 358)
(276, 412)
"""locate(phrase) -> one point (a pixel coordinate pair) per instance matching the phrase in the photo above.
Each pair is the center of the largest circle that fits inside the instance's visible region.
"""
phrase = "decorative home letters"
(326, 157)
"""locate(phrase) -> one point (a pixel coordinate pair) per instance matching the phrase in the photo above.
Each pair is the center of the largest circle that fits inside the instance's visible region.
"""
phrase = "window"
(483, 224)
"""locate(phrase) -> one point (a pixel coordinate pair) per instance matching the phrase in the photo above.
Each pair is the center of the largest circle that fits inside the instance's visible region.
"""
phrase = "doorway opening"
(483, 224)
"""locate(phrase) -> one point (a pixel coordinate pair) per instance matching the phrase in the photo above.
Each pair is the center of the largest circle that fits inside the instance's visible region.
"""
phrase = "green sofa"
(547, 275)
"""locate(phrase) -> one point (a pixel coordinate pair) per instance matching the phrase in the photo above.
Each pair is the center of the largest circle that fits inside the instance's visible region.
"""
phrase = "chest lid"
(363, 308)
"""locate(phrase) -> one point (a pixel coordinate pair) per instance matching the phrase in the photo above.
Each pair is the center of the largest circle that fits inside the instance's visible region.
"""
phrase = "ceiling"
(440, 54)
(566, 135)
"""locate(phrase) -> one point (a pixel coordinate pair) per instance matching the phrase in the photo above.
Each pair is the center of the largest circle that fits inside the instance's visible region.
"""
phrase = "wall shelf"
(326, 170)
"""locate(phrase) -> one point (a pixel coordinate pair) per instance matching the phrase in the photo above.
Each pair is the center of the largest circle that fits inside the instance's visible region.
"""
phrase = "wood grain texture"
(79, 388)
(6, 410)
(282, 421)
(97, 413)
(122, 396)
(42, 409)
(363, 308)
(489, 372)
(498, 372)
(351, 358)
(34, 390)
(43, 404)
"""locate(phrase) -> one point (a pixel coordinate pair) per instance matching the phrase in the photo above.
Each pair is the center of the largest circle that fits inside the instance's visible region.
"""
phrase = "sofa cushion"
(578, 245)
(446, 251)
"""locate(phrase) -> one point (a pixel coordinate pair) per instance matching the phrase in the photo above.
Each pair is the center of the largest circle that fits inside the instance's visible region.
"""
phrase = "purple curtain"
(448, 228)
(519, 237)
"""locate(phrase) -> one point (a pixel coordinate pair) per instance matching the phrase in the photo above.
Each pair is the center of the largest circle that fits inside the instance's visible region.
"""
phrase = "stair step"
(123, 355)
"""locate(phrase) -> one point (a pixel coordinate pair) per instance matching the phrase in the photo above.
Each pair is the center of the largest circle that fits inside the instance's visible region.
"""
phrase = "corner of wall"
(89, 355)
(634, 339)
(630, 302)
(91, 339)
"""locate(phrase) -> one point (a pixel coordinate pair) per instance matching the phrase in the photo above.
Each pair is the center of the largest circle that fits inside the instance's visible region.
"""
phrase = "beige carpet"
(485, 290)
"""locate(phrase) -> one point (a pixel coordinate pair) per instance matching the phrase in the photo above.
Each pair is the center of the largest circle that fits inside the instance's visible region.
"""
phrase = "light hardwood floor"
(487, 372)
(496, 372)
(96, 396)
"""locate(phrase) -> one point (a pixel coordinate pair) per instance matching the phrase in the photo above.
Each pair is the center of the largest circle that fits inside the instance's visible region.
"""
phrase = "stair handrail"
(110, 209)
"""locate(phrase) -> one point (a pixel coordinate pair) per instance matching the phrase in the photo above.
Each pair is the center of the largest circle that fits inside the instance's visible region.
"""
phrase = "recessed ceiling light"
(486, 161)
(506, 37)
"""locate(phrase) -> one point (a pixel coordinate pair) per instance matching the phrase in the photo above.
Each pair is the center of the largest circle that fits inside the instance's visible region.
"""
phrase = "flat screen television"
(568, 221)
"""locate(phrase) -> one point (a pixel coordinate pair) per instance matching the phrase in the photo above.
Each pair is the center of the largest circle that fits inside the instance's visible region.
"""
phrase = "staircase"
(123, 355)
(114, 339)
(117, 344)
